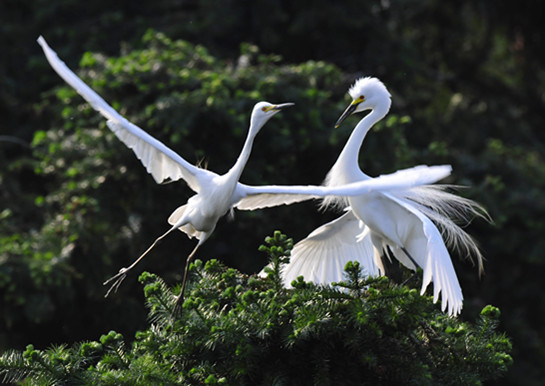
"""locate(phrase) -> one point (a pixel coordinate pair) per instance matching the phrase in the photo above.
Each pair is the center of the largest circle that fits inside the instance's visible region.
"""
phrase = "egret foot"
(118, 280)
(122, 274)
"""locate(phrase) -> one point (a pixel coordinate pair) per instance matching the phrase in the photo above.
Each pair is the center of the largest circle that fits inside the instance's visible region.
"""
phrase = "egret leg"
(123, 271)
(413, 261)
(390, 265)
(409, 279)
(180, 297)
(409, 256)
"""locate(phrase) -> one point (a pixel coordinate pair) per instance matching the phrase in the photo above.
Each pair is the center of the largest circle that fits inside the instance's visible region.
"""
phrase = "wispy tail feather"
(449, 212)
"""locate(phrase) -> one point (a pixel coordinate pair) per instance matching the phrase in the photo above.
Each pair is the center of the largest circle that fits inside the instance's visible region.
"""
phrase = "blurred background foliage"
(468, 87)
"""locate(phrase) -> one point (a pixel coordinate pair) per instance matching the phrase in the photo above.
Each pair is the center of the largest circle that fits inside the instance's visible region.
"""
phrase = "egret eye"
(264, 109)
(361, 98)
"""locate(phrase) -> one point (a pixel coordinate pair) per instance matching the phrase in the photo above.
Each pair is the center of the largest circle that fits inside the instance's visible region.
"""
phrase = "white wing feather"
(159, 160)
(254, 197)
(268, 200)
(431, 254)
(323, 254)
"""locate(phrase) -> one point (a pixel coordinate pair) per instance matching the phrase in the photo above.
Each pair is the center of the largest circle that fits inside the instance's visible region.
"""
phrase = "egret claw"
(116, 284)
(120, 273)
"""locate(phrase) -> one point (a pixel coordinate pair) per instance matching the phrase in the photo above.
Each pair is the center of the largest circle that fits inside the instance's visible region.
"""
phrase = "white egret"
(400, 220)
(217, 194)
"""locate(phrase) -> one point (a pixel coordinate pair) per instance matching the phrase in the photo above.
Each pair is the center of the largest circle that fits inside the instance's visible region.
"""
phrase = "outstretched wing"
(256, 200)
(432, 256)
(323, 254)
(254, 197)
(159, 160)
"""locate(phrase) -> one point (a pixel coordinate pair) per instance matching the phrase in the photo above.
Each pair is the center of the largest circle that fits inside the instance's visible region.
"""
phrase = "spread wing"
(323, 254)
(159, 160)
(431, 254)
(257, 200)
(254, 197)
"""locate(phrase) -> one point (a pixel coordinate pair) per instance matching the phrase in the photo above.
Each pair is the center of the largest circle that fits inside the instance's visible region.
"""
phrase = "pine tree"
(247, 330)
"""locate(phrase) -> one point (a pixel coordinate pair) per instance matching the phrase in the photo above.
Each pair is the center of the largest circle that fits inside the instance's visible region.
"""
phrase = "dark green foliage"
(244, 330)
(97, 208)
(467, 85)
(278, 249)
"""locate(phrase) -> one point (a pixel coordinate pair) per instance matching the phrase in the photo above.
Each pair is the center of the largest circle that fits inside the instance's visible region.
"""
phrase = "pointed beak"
(282, 106)
(349, 111)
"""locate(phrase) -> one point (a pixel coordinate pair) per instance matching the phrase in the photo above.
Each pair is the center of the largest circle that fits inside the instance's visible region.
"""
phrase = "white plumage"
(323, 254)
(402, 219)
(398, 219)
(217, 194)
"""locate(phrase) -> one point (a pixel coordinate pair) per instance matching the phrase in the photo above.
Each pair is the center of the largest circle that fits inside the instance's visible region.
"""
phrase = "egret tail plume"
(449, 212)
(122, 274)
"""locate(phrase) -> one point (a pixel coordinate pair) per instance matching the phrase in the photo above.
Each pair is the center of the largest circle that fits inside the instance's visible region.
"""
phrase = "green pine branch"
(240, 329)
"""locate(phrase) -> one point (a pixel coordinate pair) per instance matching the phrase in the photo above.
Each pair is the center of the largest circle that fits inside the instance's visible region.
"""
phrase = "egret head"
(367, 94)
(263, 111)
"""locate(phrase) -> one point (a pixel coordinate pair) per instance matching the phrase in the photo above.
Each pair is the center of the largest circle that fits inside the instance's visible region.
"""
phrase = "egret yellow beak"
(349, 111)
(281, 106)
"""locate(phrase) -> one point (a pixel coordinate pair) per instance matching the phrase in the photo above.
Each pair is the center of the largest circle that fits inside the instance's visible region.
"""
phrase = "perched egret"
(392, 222)
(400, 220)
(218, 194)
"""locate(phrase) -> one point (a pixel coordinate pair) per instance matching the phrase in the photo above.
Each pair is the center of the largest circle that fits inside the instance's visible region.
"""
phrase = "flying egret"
(399, 219)
(217, 194)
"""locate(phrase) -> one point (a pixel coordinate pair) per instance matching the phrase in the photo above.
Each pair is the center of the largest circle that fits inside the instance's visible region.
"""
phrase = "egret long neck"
(351, 151)
(237, 169)
(346, 169)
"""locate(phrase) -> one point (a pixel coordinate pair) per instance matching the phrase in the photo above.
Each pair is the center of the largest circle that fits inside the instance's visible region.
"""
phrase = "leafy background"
(468, 88)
